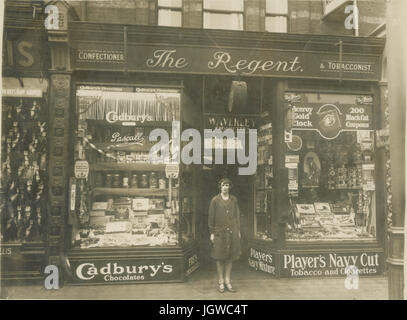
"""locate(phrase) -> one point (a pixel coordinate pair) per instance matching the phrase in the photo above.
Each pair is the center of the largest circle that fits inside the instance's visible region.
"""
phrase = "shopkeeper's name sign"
(230, 61)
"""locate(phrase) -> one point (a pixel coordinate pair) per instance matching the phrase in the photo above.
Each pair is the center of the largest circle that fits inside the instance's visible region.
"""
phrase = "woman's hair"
(225, 180)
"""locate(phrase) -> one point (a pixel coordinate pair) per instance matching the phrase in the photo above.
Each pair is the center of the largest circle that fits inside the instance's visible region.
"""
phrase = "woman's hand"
(212, 237)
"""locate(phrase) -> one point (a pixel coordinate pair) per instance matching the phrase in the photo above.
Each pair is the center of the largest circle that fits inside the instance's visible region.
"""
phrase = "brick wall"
(304, 16)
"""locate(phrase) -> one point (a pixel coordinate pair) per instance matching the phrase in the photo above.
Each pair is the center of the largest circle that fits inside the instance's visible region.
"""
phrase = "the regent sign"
(230, 61)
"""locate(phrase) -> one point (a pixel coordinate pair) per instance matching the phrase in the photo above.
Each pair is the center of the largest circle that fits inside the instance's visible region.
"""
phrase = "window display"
(124, 200)
(187, 220)
(24, 170)
(264, 176)
(330, 161)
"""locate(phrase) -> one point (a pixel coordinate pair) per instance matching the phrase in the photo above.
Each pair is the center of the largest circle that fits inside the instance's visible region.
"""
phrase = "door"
(241, 190)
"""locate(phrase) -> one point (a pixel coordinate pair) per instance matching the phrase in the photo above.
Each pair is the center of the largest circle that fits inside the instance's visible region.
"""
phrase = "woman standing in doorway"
(224, 229)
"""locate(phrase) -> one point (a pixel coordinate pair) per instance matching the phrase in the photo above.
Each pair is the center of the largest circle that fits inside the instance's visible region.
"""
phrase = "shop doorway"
(242, 190)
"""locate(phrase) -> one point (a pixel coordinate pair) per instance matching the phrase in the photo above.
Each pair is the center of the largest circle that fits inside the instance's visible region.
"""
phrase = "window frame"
(243, 13)
(177, 9)
(270, 15)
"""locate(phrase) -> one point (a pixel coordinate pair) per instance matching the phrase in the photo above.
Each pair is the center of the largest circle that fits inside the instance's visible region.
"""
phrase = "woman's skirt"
(226, 246)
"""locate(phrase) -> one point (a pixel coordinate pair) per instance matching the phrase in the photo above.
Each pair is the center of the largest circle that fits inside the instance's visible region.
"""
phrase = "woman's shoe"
(221, 288)
(230, 288)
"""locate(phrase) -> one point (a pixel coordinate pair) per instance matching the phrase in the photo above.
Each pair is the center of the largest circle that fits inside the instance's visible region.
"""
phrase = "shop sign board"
(332, 264)
(232, 121)
(23, 52)
(8, 250)
(330, 119)
(191, 263)
(262, 261)
(225, 61)
(11, 257)
(117, 271)
(81, 169)
(171, 171)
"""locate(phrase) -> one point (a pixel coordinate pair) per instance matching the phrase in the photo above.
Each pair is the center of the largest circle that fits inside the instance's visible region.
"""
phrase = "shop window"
(126, 201)
(223, 14)
(170, 13)
(276, 15)
(24, 178)
(331, 171)
(217, 95)
(264, 179)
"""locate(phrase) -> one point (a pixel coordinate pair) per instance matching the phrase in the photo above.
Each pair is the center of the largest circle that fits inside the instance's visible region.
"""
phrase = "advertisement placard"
(307, 265)
(116, 271)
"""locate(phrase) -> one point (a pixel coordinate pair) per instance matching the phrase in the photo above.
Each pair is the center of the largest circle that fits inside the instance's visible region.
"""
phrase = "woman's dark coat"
(224, 223)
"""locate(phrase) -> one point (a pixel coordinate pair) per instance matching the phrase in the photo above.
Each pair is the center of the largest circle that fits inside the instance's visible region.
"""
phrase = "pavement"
(251, 285)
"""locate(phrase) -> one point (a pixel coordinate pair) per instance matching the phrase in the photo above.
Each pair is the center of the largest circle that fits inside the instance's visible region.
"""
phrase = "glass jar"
(108, 180)
(116, 180)
(162, 183)
(99, 179)
(153, 181)
(134, 181)
(144, 181)
(125, 180)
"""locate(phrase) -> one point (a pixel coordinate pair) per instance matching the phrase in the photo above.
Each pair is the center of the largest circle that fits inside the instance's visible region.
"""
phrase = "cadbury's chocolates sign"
(126, 271)
(329, 119)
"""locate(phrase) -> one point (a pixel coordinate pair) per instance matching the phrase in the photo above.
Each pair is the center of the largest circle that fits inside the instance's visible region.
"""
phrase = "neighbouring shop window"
(331, 171)
(187, 217)
(276, 15)
(24, 179)
(125, 200)
(170, 13)
(264, 179)
(223, 14)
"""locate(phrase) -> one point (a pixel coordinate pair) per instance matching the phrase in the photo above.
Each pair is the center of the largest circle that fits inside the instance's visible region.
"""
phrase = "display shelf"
(353, 188)
(264, 189)
(335, 189)
(111, 146)
(109, 166)
(155, 124)
(132, 192)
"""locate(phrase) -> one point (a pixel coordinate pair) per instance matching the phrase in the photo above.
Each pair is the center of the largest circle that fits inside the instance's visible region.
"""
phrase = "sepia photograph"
(203, 150)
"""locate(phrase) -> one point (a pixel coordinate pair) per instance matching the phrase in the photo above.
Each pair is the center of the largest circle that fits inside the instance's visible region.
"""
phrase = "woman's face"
(225, 187)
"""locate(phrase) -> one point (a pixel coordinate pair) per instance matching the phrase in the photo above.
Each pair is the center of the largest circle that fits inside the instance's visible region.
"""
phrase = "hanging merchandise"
(24, 165)
(311, 170)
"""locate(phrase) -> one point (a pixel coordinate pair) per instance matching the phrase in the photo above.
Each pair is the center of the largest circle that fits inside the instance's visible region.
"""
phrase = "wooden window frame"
(178, 9)
(267, 15)
(224, 12)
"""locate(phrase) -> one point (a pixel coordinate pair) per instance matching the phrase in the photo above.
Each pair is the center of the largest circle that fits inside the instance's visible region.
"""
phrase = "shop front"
(24, 156)
(310, 192)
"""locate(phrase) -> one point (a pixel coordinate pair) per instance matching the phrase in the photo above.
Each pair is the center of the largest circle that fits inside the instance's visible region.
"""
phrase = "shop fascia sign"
(22, 53)
(122, 271)
(226, 61)
(330, 264)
